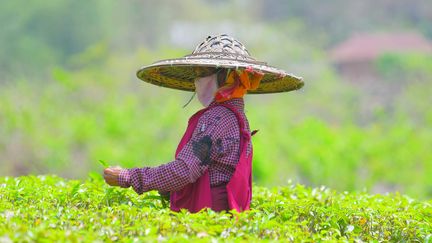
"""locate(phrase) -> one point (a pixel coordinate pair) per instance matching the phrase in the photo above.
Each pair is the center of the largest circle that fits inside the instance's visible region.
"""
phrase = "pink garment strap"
(239, 188)
(194, 196)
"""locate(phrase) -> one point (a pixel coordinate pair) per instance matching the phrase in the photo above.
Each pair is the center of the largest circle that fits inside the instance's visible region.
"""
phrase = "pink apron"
(198, 195)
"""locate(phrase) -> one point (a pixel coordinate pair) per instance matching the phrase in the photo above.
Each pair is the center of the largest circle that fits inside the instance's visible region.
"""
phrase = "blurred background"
(69, 95)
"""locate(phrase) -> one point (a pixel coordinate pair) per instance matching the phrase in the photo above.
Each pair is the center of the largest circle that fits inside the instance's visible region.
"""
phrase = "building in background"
(355, 59)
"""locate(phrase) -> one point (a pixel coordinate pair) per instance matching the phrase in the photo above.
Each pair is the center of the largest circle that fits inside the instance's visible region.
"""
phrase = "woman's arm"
(167, 177)
(193, 160)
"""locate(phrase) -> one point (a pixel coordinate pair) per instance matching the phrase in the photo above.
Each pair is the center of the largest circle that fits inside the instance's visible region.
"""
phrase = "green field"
(346, 158)
(49, 208)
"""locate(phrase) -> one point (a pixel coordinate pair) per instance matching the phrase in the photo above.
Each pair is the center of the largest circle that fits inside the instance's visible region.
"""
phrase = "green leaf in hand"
(103, 163)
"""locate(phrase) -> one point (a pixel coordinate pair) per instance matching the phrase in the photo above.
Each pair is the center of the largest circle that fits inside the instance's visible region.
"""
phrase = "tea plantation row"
(47, 208)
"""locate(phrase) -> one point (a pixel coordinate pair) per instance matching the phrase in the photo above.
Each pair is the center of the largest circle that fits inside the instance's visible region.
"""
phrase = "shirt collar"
(236, 102)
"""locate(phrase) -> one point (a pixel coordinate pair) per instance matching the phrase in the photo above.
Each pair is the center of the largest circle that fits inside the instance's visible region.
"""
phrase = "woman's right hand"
(111, 175)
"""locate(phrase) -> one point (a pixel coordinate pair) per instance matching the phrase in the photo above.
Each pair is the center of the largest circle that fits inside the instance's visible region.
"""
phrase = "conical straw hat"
(220, 51)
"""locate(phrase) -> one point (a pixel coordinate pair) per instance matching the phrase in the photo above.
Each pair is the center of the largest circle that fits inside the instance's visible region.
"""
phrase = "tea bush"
(48, 208)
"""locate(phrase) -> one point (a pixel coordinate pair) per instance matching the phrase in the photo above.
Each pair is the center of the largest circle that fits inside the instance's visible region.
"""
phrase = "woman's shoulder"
(218, 118)
(220, 113)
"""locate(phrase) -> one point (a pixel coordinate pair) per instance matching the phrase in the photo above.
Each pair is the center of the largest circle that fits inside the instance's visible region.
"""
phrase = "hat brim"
(180, 74)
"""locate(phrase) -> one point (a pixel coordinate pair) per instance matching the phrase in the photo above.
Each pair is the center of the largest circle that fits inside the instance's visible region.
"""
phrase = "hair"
(221, 75)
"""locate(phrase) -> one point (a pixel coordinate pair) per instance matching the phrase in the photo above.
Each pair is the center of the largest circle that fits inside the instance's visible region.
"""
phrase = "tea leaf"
(103, 163)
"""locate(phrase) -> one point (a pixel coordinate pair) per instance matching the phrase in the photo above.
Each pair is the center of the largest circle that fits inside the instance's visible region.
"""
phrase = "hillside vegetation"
(47, 208)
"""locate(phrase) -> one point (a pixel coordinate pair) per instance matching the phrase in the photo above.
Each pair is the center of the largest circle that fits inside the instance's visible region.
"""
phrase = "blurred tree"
(36, 35)
(340, 18)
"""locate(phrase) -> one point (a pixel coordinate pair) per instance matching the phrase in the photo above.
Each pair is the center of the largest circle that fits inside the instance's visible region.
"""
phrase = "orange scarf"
(238, 83)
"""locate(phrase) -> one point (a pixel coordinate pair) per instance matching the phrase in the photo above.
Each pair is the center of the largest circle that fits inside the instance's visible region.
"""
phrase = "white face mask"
(206, 88)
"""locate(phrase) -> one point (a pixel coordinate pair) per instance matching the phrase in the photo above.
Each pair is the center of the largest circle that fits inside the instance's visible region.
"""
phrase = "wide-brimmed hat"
(216, 52)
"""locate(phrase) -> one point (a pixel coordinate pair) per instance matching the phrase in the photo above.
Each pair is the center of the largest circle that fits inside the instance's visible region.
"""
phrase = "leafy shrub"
(47, 208)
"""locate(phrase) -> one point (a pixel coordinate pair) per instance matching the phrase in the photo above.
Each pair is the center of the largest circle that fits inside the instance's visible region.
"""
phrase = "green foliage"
(103, 163)
(78, 117)
(89, 104)
(70, 210)
(410, 67)
(44, 35)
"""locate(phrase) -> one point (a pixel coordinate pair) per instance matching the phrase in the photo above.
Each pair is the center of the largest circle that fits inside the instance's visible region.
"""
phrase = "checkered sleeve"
(192, 161)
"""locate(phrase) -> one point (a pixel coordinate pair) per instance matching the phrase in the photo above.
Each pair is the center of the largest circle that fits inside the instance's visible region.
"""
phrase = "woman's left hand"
(111, 175)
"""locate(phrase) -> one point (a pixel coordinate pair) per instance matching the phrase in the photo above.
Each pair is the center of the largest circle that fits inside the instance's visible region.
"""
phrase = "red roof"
(368, 47)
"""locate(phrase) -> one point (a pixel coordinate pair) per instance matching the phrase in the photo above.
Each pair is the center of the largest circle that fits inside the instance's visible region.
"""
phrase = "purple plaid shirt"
(214, 145)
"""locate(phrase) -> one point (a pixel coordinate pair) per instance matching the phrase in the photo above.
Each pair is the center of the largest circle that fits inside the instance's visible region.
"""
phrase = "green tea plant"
(50, 208)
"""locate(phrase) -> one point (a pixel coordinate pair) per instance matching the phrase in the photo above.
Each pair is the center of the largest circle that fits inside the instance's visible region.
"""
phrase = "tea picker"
(212, 167)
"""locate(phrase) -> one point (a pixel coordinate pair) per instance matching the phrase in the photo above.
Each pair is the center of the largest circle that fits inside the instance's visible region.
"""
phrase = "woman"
(212, 166)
